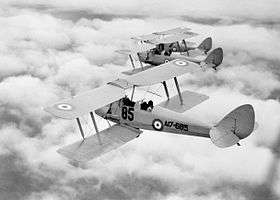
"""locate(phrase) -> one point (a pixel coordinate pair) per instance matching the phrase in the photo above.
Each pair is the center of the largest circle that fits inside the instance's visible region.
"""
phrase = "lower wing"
(92, 147)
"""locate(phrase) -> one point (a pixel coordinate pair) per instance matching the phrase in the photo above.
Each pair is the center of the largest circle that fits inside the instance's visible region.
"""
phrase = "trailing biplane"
(131, 117)
(161, 47)
(212, 60)
(174, 40)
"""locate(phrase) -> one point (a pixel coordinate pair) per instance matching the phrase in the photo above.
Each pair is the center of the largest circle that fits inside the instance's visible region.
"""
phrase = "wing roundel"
(163, 72)
(84, 103)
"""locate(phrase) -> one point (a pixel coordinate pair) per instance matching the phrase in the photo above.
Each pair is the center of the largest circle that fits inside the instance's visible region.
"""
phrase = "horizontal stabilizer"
(235, 126)
(90, 148)
(213, 59)
(86, 102)
(163, 72)
(190, 100)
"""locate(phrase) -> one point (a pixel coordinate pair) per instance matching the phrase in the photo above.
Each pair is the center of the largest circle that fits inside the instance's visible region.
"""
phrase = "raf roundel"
(181, 63)
(157, 124)
(64, 106)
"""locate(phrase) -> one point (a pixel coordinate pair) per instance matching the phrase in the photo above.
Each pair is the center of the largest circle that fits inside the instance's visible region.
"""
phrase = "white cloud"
(48, 58)
(201, 8)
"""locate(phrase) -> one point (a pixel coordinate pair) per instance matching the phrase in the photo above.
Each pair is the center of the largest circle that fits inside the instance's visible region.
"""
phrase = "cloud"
(52, 57)
(198, 9)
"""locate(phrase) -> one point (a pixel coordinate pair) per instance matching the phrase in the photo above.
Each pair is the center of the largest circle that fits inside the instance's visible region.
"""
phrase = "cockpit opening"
(147, 106)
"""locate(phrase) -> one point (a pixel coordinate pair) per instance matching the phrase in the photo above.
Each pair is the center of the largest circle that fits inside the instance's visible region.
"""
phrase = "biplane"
(174, 40)
(161, 47)
(131, 117)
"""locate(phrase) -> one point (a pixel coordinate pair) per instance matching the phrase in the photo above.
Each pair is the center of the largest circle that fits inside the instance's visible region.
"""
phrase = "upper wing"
(172, 38)
(145, 37)
(124, 51)
(86, 102)
(163, 72)
(90, 148)
(168, 36)
(177, 30)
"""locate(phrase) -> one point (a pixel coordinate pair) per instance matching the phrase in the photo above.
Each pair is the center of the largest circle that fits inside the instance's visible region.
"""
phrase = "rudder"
(235, 126)
(215, 58)
(205, 45)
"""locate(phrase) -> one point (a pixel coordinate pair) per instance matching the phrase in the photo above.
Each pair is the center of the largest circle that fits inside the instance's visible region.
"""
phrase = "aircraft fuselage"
(156, 118)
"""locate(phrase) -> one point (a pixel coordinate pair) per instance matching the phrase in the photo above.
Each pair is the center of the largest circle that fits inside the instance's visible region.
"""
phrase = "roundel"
(157, 124)
(166, 61)
(64, 106)
(181, 63)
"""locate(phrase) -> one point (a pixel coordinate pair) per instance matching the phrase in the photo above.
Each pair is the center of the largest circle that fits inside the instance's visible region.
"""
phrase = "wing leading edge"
(163, 72)
(84, 103)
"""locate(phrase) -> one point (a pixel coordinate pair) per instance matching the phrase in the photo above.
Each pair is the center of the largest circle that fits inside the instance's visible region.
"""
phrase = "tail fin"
(214, 59)
(205, 45)
(235, 126)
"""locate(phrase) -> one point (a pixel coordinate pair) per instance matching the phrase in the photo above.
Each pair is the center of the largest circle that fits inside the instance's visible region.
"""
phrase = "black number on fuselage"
(124, 112)
(127, 113)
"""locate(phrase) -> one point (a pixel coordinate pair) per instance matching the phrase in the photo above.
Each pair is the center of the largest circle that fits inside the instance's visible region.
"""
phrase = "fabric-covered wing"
(172, 38)
(163, 72)
(86, 102)
(177, 30)
(124, 51)
(145, 37)
(90, 148)
(137, 70)
(139, 46)
(190, 99)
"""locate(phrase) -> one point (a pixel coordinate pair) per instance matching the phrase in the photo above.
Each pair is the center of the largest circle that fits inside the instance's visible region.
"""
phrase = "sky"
(51, 50)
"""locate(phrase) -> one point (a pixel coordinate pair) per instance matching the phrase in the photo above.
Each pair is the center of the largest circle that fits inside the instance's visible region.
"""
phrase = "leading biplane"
(131, 117)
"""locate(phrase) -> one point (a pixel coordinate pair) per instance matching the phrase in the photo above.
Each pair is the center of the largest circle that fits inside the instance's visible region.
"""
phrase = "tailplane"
(213, 59)
(235, 126)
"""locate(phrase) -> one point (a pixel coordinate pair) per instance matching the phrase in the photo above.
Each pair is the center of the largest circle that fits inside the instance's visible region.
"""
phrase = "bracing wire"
(144, 97)
(148, 91)
(87, 124)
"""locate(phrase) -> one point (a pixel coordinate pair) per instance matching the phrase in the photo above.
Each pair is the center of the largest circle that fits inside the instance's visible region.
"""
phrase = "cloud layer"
(50, 51)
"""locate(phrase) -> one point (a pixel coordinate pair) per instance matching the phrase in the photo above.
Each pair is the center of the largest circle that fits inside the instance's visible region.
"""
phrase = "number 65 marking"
(127, 113)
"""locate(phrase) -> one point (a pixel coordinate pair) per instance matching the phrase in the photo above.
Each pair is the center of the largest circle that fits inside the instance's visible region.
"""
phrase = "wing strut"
(81, 129)
(96, 128)
(140, 60)
(179, 48)
(166, 89)
(131, 60)
(133, 90)
(184, 41)
(178, 89)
